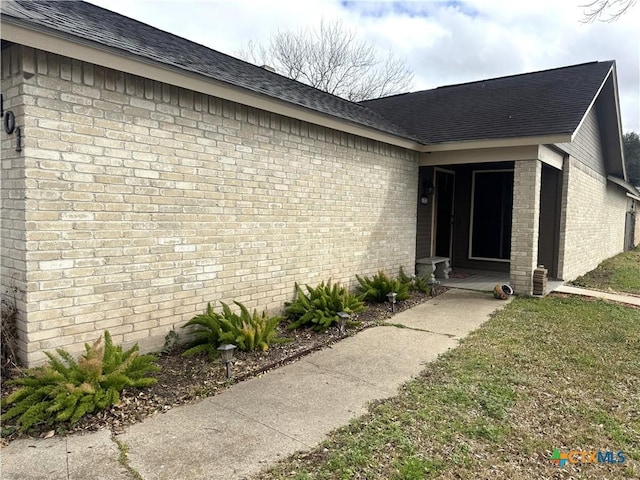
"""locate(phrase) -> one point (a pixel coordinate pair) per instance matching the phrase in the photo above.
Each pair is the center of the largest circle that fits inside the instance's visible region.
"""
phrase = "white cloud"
(445, 42)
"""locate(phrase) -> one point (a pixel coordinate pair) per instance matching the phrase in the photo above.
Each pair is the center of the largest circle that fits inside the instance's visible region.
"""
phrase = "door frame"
(434, 216)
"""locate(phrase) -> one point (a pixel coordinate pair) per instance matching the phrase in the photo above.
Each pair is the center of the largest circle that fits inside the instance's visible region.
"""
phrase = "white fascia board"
(593, 101)
(479, 155)
(631, 190)
(616, 97)
(497, 143)
(635, 197)
(543, 153)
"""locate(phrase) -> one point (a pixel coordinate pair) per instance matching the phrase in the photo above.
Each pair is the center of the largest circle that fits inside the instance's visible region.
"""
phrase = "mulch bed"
(185, 380)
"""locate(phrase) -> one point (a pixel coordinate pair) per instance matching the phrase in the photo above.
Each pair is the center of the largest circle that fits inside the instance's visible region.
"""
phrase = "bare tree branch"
(333, 59)
(606, 10)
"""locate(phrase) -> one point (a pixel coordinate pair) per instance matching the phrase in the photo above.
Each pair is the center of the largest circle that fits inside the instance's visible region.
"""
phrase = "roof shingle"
(549, 102)
(105, 28)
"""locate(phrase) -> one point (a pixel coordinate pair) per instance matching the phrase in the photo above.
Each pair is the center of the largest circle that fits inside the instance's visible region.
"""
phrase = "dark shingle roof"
(99, 26)
(549, 102)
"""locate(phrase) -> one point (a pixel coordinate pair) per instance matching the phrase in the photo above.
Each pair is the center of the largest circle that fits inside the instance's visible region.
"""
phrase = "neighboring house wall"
(146, 201)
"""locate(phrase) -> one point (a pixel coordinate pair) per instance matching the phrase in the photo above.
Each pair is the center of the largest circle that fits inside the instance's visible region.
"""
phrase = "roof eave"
(618, 141)
(56, 42)
(591, 104)
(631, 190)
(498, 143)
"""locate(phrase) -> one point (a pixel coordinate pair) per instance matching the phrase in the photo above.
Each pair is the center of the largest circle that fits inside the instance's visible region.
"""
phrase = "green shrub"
(247, 331)
(206, 334)
(376, 289)
(403, 277)
(420, 284)
(319, 308)
(66, 389)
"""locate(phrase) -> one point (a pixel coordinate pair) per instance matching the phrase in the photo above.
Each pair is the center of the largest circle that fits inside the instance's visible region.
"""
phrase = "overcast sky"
(444, 42)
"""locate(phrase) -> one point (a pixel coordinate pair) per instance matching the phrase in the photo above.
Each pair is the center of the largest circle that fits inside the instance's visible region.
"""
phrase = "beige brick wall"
(146, 201)
(12, 186)
(593, 218)
(593, 209)
(525, 224)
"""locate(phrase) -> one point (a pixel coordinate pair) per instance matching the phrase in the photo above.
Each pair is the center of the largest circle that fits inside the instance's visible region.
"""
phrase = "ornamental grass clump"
(320, 306)
(248, 331)
(245, 330)
(377, 288)
(420, 284)
(65, 389)
(206, 334)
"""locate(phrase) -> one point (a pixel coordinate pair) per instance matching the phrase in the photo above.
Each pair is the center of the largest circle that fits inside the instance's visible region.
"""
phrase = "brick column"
(525, 224)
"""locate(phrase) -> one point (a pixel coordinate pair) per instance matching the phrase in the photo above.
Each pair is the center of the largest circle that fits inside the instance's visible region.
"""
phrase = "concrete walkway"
(257, 422)
(614, 297)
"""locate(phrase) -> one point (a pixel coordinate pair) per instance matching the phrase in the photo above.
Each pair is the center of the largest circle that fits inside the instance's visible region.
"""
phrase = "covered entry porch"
(494, 213)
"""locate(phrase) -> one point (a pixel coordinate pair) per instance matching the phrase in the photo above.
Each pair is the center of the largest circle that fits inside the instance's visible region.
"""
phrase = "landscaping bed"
(183, 380)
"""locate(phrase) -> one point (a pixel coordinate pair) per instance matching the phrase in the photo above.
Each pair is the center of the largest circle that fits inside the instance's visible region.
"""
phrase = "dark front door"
(444, 212)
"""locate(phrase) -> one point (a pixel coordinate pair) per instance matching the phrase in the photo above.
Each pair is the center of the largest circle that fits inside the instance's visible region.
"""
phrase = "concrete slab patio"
(257, 422)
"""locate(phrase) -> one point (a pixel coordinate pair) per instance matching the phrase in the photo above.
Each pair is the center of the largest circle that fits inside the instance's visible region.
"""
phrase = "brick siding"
(593, 219)
(134, 203)
(525, 226)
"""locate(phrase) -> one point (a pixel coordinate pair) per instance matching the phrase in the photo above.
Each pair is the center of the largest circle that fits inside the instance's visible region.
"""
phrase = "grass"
(123, 459)
(542, 374)
(620, 273)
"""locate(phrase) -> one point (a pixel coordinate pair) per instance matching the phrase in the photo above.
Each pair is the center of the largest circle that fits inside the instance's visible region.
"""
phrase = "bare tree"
(606, 10)
(332, 58)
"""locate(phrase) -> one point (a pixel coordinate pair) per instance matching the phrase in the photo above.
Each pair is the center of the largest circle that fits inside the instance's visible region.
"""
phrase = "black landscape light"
(226, 354)
(344, 316)
(392, 300)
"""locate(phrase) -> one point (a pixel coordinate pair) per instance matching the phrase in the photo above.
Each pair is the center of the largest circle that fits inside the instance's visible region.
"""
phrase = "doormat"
(459, 274)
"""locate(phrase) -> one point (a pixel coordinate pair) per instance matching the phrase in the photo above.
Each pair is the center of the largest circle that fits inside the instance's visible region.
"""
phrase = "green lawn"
(620, 273)
(542, 374)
